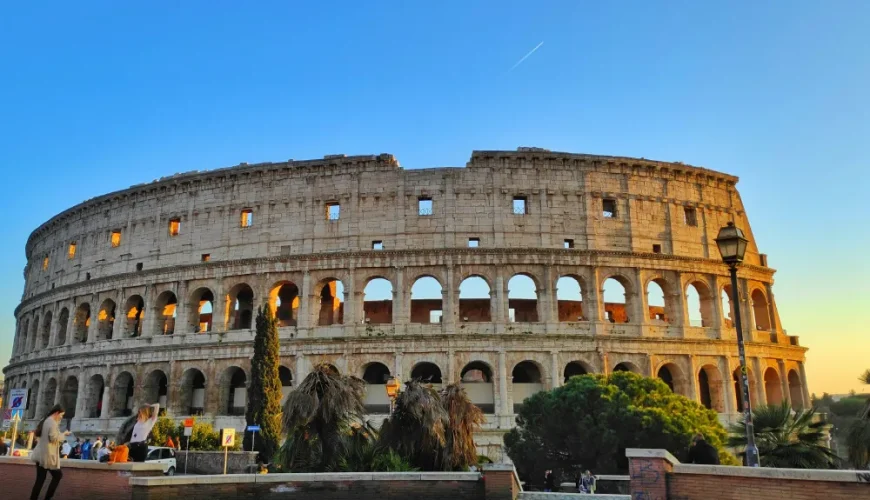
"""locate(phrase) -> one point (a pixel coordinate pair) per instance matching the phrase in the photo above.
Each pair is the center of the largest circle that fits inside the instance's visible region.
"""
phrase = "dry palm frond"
(465, 418)
(416, 429)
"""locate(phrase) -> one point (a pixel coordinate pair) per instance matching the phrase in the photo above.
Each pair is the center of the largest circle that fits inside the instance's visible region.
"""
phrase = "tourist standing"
(144, 423)
(46, 454)
(549, 481)
(587, 483)
(95, 450)
(65, 449)
(86, 450)
(703, 452)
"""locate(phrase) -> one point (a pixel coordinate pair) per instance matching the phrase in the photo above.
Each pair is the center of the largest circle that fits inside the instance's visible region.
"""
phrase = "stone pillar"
(352, 301)
(499, 307)
(760, 390)
(221, 310)
(504, 406)
(93, 330)
(783, 381)
(301, 368)
(549, 304)
(401, 299)
(306, 312)
(648, 470)
(693, 379)
(605, 362)
(771, 308)
(450, 303)
(182, 321)
(678, 315)
(398, 372)
(146, 321)
(81, 396)
(555, 376)
(70, 326)
(730, 397)
(805, 391)
(450, 376)
(105, 411)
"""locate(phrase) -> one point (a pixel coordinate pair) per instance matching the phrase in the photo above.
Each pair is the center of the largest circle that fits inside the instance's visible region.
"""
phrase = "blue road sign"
(253, 428)
(18, 413)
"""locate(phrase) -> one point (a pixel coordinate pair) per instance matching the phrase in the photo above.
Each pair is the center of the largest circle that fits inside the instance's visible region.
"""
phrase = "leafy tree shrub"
(203, 438)
(264, 393)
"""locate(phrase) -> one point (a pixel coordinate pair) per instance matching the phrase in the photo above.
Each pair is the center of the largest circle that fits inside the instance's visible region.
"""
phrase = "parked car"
(164, 456)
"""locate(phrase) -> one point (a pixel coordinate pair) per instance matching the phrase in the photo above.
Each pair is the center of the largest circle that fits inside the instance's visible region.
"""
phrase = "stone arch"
(526, 381)
(233, 391)
(70, 396)
(165, 311)
(772, 386)
(658, 300)
(426, 372)
(62, 320)
(201, 310)
(82, 322)
(616, 293)
(576, 368)
(239, 308)
(738, 387)
(699, 304)
(475, 297)
(795, 390)
(375, 375)
(106, 320)
(32, 401)
(331, 294)
(760, 312)
(34, 334)
(45, 339)
(156, 388)
(284, 301)
(134, 310)
(122, 395)
(93, 403)
(523, 298)
(569, 298)
(193, 392)
(427, 300)
(477, 379)
(378, 300)
(672, 375)
(46, 399)
(711, 388)
(627, 366)
(285, 375)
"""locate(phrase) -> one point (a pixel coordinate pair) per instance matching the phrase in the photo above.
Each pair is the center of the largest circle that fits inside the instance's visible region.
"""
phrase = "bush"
(203, 438)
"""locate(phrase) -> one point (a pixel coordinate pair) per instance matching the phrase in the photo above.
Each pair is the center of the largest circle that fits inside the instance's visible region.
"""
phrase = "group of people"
(584, 483)
(52, 444)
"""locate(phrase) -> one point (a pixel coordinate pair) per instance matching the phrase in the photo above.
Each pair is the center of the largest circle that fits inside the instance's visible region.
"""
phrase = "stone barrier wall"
(212, 462)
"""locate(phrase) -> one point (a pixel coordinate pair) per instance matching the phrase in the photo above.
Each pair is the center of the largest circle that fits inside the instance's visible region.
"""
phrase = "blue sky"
(97, 96)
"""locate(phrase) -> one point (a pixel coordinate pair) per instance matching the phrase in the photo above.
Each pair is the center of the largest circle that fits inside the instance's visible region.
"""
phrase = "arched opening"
(772, 387)
(795, 390)
(656, 301)
(32, 401)
(46, 400)
(192, 392)
(667, 377)
(331, 303)
(239, 308)
(134, 309)
(34, 334)
(426, 301)
(425, 372)
(201, 310)
(122, 395)
(727, 307)
(82, 322)
(165, 311)
(626, 367)
(575, 369)
(526, 381)
(569, 298)
(70, 396)
(615, 301)
(284, 300)
(106, 320)
(94, 397)
(522, 299)
(474, 300)
(286, 378)
(674, 377)
(234, 393)
(46, 330)
(476, 378)
(22, 337)
(156, 388)
(378, 301)
(62, 320)
(760, 311)
(699, 302)
(375, 376)
(710, 388)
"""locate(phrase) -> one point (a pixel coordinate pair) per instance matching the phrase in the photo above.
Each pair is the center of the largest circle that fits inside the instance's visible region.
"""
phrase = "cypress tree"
(264, 393)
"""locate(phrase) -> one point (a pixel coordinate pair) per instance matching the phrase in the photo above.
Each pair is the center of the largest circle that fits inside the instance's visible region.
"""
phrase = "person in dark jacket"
(549, 481)
(703, 452)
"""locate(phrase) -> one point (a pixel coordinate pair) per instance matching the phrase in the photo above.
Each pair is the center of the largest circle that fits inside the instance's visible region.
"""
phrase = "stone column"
(771, 308)
(301, 368)
(450, 303)
(182, 321)
(760, 390)
(398, 372)
(730, 396)
(783, 381)
(401, 299)
(105, 412)
(221, 310)
(805, 391)
(146, 320)
(604, 359)
(555, 378)
(81, 396)
(499, 307)
(505, 408)
(451, 368)
(306, 297)
(693, 379)
(549, 305)
(70, 325)
(93, 330)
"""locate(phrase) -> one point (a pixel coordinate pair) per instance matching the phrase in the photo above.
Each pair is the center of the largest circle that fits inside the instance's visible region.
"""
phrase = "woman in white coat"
(46, 454)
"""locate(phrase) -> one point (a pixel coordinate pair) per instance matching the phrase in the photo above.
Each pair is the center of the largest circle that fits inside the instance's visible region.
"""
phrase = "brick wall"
(81, 479)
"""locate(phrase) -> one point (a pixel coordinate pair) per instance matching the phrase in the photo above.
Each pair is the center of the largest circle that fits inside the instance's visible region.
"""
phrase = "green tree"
(787, 439)
(858, 436)
(264, 393)
(203, 436)
(417, 428)
(589, 422)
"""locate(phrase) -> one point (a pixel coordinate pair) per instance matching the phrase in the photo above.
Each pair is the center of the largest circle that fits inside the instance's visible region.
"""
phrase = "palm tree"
(465, 418)
(417, 428)
(858, 436)
(787, 439)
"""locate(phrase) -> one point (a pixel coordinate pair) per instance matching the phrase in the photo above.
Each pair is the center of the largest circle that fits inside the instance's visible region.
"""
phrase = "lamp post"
(732, 246)
(392, 387)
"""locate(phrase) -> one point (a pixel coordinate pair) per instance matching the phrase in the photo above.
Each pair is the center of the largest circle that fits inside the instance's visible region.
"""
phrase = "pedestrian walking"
(46, 454)
(145, 421)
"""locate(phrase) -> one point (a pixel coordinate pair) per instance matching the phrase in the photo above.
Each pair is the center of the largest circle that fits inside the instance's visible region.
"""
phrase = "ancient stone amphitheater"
(494, 275)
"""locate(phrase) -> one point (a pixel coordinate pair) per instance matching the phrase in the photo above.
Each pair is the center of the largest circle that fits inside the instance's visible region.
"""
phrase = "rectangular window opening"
(657, 249)
(116, 239)
(377, 245)
(424, 206)
(174, 227)
(87, 276)
(473, 242)
(608, 207)
(435, 316)
(691, 216)
(333, 211)
(521, 205)
(45, 264)
(247, 218)
(139, 266)
(72, 250)
(205, 257)
(568, 244)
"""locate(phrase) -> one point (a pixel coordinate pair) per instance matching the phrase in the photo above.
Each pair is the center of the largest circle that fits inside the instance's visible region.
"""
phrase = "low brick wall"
(82, 479)
(657, 474)
(539, 495)
(212, 462)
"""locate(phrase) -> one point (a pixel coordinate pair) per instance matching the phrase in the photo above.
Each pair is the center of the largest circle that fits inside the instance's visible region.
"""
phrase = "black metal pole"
(751, 449)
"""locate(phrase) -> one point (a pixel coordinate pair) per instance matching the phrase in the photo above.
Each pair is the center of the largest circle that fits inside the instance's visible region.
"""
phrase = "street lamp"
(392, 387)
(732, 246)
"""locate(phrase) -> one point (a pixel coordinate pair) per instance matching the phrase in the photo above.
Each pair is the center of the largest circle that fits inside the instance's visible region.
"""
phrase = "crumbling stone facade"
(147, 294)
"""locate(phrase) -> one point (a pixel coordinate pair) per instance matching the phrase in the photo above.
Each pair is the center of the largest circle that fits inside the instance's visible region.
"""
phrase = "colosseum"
(510, 275)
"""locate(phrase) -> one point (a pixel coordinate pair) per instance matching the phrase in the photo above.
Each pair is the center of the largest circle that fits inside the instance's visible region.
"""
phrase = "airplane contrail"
(538, 46)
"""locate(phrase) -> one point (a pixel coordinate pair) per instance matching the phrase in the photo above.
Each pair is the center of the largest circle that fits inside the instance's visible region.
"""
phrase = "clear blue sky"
(99, 96)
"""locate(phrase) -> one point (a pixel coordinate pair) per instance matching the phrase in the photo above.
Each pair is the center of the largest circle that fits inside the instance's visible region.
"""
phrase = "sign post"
(253, 430)
(15, 420)
(228, 438)
(17, 405)
(188, 431)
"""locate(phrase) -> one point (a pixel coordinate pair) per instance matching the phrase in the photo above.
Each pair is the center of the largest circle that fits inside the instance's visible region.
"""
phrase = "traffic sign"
(188, 422)
(18, 399)
(253, 428)
(228, 437)
(188, 431)
(16, 414)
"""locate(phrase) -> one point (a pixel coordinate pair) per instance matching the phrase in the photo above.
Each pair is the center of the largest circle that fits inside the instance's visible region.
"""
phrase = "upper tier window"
(608, 208)
(521, 205)
(424, 206)
(333, 211)
(115, 239)
(691, 216)
(72, 250)
(247, 218)
(174, 227)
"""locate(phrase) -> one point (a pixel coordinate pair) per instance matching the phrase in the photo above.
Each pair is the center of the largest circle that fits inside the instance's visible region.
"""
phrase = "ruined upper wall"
(379, 202)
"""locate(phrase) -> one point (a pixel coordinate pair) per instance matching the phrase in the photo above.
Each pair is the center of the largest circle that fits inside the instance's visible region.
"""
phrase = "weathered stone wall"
(212, 462)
